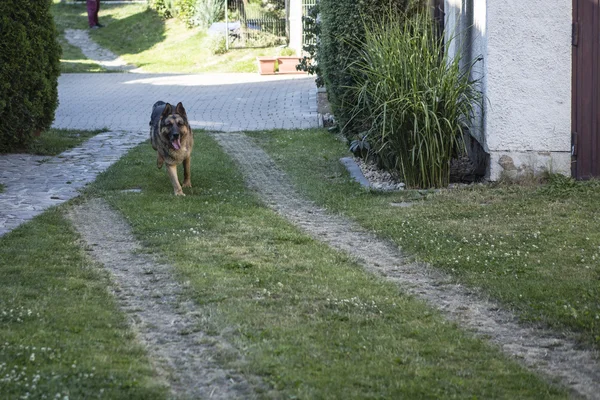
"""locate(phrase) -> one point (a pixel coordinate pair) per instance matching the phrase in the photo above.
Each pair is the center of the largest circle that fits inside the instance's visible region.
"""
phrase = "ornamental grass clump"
(418, 99)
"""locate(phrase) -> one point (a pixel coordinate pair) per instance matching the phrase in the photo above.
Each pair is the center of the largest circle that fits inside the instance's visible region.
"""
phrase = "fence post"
(295, 15)
(227, 25)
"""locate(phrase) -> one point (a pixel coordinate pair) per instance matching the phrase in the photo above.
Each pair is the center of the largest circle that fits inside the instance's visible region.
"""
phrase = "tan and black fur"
(173, 139)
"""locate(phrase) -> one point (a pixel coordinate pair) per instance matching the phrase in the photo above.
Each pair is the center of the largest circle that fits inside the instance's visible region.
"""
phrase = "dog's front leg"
(187, 172)
(172, 171)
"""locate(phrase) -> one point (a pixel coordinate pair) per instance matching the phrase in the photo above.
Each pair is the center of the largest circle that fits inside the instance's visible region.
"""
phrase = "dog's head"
(174, 124)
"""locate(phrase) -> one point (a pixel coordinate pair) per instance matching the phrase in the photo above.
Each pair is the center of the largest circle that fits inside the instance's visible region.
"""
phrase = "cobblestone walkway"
(222, 102)
(122, 103)
(544, 351)
(34, 183)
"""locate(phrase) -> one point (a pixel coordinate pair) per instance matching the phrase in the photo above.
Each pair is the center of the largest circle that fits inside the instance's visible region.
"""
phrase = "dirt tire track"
(555, 356)
(165, 323)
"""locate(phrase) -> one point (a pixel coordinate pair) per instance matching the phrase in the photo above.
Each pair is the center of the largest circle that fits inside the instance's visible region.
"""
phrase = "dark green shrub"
(420, 100)
(343, 23)
(29, 70)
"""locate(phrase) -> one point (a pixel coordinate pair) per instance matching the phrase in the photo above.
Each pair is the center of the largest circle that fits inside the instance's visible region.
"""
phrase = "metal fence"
(252, 25)
(306, 6)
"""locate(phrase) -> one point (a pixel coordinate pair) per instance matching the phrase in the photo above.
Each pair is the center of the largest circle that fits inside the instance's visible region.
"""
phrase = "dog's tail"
(157, 104)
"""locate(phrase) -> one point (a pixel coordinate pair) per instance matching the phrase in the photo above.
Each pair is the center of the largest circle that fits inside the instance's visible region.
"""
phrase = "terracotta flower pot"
(287, 65)
(266, 65)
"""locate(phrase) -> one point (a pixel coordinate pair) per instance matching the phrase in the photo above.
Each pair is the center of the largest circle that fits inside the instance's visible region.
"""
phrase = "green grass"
(62, 333)
(309, 321)
(537, 250)
(55, 141)
(73, 60)
(142, 38)
(416, 102)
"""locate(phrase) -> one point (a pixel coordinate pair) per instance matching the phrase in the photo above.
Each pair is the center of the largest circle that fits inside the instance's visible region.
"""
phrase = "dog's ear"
(167, 111)
(180, 110)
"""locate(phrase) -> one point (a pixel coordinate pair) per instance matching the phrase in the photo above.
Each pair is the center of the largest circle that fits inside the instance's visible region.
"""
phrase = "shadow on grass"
(131, 35)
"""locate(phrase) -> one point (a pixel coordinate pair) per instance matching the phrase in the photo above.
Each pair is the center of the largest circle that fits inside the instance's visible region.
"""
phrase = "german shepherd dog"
(172, 138)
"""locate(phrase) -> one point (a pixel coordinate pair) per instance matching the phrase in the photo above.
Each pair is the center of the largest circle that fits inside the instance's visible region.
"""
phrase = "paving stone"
(224, 102)
(31, 187)
(123, 103)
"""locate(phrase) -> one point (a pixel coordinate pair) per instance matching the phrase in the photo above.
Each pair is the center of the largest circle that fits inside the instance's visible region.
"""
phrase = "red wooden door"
(585, 103)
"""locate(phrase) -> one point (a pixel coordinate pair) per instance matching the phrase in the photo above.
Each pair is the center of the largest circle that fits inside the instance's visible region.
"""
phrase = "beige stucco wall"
(525, 123)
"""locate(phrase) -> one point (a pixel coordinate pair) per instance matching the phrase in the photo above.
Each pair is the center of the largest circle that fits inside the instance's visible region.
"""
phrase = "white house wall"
(466, 34)
(525, 123)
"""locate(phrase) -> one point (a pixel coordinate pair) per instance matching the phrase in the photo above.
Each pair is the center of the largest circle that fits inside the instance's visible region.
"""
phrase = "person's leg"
(91, 11)
(96, 12)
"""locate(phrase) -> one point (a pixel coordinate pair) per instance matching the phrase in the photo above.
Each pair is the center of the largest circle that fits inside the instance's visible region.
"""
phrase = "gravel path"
(167, 324)
(541, 350)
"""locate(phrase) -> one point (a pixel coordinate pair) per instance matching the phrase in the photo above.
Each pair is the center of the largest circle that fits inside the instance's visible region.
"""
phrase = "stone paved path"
(552, 355)
(34, 183)
(106, 58)
(122, 103)
(222, 102)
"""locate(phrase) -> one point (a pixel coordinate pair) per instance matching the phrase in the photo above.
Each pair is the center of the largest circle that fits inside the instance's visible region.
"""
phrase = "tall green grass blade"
(418, 100)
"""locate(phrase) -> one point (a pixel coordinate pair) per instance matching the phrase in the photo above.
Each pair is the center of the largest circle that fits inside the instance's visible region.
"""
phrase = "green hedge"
(342, 26)
(29, 70)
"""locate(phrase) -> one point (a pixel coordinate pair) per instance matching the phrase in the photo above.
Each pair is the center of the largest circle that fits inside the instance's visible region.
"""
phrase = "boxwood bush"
(29, 70)
(342, 25)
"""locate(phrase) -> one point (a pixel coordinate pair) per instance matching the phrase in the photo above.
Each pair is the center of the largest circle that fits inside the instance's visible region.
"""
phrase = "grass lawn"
(62, 334)
(55, 141)
(73, 60)
(142, 38)
(309, 320)
(536, 249)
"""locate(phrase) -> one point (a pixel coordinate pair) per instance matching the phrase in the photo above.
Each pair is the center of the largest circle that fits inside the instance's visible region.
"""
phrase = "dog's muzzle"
(175, 139)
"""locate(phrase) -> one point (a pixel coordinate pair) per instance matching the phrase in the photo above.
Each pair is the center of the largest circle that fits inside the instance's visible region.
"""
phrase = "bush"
(29, 70)
(217, 44)
(342, 23)
(201, 13)
(164, 8)
(287, 51)
(264, 39)
(419, 99)
(206, 12)
(312, 31)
